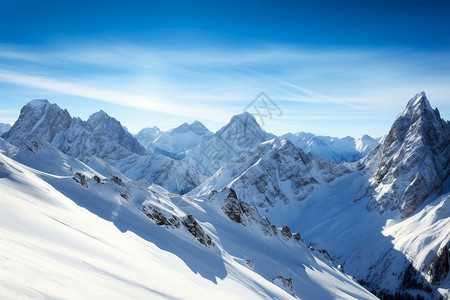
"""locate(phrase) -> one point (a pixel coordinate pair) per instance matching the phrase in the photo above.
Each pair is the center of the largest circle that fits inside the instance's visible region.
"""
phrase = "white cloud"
(213, 84)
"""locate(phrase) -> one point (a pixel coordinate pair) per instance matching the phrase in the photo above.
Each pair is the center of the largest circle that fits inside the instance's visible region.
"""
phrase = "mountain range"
(239, 213)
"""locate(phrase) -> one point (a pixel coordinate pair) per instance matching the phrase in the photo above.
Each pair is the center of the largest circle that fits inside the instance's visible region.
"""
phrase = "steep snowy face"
(147, 136)
(175, 142)
(276, 172)
(239, 136)
(38, 119)
(333, 149)
(101, 123)
(413, 162)
(4, 127)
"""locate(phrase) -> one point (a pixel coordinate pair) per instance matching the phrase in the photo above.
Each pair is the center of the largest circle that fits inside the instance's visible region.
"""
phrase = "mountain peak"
(417, 104)
(38, 119)
(101, 114)
(421, 136)
(38, 102)
(243, 117)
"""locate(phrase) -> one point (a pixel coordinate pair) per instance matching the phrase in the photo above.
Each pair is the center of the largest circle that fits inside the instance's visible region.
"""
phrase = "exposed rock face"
(285, 284)
(160, 218)
(287, 234)
(274, 172)
(81, 179)
(413, 161)
(247, 215)
(197, 231)
(39, 119)
(440, 266)
(244, 213)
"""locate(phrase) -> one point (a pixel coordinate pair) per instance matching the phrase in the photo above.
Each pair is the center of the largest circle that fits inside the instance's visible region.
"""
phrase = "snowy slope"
(239, 136)
(272, 173)
(68, 238)
(333, 149)
(377, 249)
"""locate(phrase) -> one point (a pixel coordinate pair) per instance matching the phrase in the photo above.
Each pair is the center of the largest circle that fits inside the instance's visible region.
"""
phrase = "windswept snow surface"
(88, 239)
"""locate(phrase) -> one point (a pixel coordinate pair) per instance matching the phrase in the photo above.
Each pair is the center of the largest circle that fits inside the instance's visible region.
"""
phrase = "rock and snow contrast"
(88, 210)
(101, 138)
(69, 232)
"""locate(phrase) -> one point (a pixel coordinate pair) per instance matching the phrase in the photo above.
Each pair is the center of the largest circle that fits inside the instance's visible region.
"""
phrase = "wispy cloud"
(213, 84)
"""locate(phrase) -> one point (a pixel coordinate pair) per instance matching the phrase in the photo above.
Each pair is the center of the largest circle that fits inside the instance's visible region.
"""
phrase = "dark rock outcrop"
(81, 179)
(197, 231)
(440, 266)
(285, 284)
(159, 218)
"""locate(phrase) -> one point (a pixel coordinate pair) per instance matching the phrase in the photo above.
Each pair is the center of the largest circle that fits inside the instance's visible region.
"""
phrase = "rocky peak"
(38, 119)
(244, 124)
(413, 159)
(101, 123)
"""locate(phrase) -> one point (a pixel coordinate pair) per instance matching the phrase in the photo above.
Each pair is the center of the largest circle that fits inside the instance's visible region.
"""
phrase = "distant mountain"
(4, 127)
(333, 149)
(239, 136)
(273, 174)
(147, 136)
(175, 142)
(103, 137)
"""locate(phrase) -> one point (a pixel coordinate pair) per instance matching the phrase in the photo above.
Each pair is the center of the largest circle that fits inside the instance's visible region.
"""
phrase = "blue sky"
(333, 67)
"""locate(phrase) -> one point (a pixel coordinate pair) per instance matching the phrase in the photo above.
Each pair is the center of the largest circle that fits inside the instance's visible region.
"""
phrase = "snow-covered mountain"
(40, 119)
(386, 221)
(100, 138)
(239, 136)
(414, 160)
(253, 229)
(175, 142)
(69, 232)
(333, 149)
(147, 135)
(274, 173)
(4, 127)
